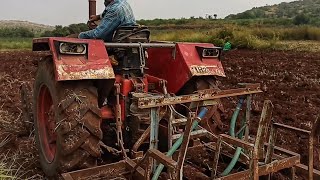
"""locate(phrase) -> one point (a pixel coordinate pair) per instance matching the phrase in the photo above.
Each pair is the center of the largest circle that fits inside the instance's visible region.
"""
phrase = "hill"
(307, 8)
(34, 27)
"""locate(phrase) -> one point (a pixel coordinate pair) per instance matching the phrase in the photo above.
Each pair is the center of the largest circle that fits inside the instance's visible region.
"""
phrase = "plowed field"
(291, 80)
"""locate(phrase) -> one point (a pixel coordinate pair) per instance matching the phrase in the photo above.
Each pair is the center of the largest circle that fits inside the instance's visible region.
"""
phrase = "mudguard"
(93, 63)
(177, 66)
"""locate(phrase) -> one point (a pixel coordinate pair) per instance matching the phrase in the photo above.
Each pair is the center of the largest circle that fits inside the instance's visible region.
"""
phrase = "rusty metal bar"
(286, 127)
(185, 143)
(275, 166)
(264, 124)
(248, 113)
(109, 170)
(270, 147)
(135, 168)
(258, 152)
(142, 138)
(310, 163)
(162, 158)
(138, 45)
(216, 158)
(304, 170)
(155, 119)
(314, 132)
(237, 142)
(92, 8)
(157, 101)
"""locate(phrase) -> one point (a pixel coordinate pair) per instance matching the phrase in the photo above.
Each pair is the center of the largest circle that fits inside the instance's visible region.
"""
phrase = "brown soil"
(291, 80)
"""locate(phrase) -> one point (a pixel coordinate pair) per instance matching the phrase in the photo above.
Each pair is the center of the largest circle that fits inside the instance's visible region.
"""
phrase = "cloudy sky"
(64, 12)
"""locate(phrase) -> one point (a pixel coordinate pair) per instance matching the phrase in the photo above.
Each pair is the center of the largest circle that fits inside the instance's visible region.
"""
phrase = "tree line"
(19, 32)
(62, 31)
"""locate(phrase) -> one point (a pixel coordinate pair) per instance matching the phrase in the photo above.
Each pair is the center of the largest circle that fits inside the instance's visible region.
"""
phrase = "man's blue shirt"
(118, 13)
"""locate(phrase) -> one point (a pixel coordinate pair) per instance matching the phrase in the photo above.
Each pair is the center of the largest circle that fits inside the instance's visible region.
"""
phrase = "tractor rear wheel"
(67, 122)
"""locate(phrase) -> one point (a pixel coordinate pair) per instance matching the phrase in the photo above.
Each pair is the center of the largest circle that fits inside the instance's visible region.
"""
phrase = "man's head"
(107, 2)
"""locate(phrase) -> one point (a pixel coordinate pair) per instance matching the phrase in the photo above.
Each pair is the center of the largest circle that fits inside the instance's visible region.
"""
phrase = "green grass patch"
(15, 43)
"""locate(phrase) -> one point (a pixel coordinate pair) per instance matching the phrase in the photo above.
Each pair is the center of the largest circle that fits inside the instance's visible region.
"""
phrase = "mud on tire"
(67, 122)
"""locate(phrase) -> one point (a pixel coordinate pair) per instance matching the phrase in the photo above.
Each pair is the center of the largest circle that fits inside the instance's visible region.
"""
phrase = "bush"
(16, 32)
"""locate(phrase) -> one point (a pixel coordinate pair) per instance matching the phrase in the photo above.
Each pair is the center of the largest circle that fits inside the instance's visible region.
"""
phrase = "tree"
(215, 16)
(301, 19)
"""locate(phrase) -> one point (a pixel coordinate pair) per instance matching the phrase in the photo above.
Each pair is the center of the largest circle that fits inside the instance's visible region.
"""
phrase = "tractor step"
(194, 134)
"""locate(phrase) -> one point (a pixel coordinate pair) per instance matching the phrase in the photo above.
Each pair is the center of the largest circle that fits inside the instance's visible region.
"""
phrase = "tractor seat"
(131, 34)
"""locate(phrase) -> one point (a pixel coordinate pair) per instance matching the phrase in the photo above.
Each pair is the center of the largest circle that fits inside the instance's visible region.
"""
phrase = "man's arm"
(107, 25)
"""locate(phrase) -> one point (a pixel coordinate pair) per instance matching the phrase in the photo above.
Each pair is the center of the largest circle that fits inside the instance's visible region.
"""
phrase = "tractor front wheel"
(67, 122)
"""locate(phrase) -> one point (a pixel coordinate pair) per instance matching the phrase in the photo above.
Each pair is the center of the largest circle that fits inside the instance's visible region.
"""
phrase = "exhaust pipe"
(92, 8)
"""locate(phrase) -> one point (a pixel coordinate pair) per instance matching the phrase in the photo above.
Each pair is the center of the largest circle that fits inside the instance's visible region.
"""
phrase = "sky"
(65, 12)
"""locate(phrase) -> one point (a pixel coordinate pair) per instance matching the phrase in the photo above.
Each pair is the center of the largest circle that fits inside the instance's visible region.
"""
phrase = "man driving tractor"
(116, 14)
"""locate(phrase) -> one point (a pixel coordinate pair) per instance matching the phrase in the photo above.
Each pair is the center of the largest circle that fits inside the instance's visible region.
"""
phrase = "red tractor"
(123, 104)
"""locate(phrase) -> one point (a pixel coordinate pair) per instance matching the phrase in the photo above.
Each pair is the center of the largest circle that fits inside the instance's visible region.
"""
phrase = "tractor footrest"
(193, 135)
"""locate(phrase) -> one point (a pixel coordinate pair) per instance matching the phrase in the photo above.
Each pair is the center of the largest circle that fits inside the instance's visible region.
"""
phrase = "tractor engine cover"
(177, 66)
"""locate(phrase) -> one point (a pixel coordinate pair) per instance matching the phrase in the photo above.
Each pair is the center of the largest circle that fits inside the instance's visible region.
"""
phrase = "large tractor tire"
(67, 122)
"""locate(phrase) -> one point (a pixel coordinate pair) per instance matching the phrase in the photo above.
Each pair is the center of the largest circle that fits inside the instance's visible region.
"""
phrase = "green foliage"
(16, 32)
(61, 31)
(15, 43)
(301, 19)
(310, 8)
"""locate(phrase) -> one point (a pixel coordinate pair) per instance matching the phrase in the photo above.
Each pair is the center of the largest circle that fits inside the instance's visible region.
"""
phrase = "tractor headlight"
(72, 48)
(205, 52)
(210, 52)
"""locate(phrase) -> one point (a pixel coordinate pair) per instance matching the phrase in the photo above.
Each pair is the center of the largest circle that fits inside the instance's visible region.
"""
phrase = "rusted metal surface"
(237, 142)
(110, 171)
(92, 8)
(179, 122)
(193, 134)
(95, 64)
(248, 114)
(264, 123)
(71, 72)
(274, 166)
(162, 158)
(312, 135)
(184, 145)
(119, 123)
(142, 138)
(286, 127)
(216, 158)
(270, 147)
(157, 101)
(304, 170)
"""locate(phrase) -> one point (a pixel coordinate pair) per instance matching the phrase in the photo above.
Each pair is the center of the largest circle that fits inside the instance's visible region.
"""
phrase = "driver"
(116, 14)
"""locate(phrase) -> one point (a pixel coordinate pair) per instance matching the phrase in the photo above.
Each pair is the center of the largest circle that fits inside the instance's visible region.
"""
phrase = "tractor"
(137, 109)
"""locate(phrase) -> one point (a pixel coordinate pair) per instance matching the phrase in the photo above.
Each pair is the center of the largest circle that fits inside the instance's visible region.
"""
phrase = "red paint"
(97, 58)
(127, 86)
(156, 81)
(46, 124)
(107, 113)
(177, 71)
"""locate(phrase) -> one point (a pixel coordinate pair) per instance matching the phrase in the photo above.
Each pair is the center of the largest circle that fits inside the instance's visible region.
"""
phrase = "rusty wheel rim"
(46, 124)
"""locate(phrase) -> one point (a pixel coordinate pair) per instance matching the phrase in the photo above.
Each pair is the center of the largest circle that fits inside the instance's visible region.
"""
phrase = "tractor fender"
(178, 66)
(72, 64)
